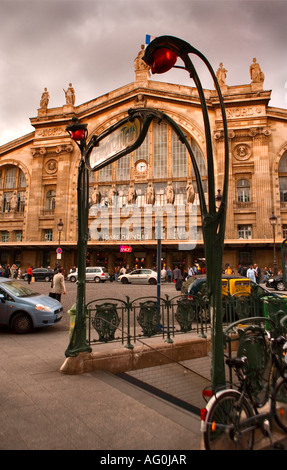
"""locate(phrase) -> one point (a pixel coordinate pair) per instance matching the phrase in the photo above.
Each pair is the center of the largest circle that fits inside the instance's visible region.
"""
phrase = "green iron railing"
(126, 321)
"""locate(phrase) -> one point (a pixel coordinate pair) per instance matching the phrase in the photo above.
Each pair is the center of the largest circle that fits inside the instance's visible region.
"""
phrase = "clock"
(141, 166)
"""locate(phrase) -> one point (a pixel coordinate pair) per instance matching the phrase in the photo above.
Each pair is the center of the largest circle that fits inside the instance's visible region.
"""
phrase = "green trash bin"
(275, 309)
(72, 314)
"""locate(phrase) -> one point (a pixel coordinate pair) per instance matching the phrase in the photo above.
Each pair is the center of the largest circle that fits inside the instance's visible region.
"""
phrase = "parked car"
(96, 274)
(41, 274)
(239, 287)
(276, 282)
(23, 309)
(139, 276)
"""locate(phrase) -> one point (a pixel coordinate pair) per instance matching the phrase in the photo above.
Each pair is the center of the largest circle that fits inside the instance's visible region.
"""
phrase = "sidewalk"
(42, 408)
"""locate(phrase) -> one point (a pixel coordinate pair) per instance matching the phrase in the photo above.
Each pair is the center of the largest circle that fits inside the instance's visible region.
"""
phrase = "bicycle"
(232, 416)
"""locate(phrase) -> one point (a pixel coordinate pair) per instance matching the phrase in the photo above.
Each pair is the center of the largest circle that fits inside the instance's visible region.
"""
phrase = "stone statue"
(190, 194)
(111, 194)
(131, 198)
(70, 95)
(13, 202)
(221, 74)
(44, 99)
(150, 194)
(255, 72)
(138, 62)
(169, 193)
(96, 195)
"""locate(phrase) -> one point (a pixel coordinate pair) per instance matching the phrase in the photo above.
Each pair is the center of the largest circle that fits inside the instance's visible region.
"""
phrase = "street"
(103, 290)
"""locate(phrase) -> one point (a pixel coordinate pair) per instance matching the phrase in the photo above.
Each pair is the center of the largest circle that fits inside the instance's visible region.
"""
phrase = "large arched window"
(163, 157)
(12, 189)
(282, 171)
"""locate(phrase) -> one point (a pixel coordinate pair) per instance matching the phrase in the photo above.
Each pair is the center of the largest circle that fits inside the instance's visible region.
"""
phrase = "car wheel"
(73, 279)
(97, 279)
(22, 323)
(124, 280)
(152, 281)
(47, 279)
(280, 285)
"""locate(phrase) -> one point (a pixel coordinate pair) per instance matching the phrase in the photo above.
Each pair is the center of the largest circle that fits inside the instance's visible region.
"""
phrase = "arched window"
(12, 183)
(282, 171)
(243, 191)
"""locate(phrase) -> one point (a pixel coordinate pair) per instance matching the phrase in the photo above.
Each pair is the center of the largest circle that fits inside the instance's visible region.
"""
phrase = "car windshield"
(18, 289)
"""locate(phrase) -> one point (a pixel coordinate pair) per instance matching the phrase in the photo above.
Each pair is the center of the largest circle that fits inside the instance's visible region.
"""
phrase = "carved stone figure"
(150, 194)
(96, 195)
(70, 95)
(138, 62)
(44, 99)
(13, 202)
(221, 74)
(190, 194)
(255, 72)
(169, 193)
(111, 194)
(131, 194)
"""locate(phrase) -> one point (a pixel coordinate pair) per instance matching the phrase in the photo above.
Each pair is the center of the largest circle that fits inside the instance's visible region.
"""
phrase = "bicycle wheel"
(225, 423)
(279, 403)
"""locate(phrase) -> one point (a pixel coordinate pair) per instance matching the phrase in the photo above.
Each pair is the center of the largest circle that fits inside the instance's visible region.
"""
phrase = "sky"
(93, 43)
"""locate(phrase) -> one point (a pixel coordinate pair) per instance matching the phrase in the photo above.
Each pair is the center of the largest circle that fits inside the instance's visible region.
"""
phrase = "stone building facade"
(38, 179)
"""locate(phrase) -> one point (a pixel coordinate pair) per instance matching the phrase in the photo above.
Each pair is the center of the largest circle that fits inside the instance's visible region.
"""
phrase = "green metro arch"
(122, 138)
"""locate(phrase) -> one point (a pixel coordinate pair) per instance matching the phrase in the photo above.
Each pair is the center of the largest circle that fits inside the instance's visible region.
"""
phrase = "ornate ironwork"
(149, 317)
(185, 314)
(106, 321)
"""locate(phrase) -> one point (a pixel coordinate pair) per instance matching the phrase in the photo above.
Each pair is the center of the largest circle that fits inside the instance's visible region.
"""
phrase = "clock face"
(141, 166)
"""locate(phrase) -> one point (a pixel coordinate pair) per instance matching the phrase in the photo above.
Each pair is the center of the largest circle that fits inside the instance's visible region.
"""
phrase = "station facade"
(128, 198)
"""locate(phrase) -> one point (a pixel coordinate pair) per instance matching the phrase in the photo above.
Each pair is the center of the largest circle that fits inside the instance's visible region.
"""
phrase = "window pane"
(179, 162)
(282, 168)
(141, 153)
(123, 168)
(10, 176)
(160, 150)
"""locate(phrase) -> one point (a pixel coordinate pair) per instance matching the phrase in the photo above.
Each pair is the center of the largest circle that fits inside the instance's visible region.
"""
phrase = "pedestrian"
(265, 275)
(251, 274)
(190, 271)
(228, 269)
(7, 271)
(177, 278)
(59, 287)
(29, 274)
(257, 273)
(169, 274)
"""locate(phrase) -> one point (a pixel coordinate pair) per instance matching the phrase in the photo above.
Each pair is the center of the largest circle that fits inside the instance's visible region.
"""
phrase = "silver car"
(96, 274)
(23, 309)
(139, 276)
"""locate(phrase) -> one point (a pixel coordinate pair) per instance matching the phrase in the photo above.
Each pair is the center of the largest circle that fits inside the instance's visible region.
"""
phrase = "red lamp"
(163, 59)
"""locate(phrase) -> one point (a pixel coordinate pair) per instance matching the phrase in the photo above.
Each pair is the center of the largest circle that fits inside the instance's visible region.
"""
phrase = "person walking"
(29, 274)
(251, 274)
(59, 287)
(177, 276)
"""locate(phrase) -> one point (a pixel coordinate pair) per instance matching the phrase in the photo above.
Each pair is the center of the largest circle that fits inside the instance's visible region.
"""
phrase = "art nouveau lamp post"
(273, 222)
(161, 55)
(78, 342)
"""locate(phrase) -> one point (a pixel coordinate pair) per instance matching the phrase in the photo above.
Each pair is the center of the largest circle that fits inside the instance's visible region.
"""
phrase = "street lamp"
(60, 226)
(273, 222)
(78, 342)
(161, 55)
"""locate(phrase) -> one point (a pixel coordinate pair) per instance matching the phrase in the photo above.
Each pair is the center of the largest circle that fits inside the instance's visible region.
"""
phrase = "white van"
(96, 274)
